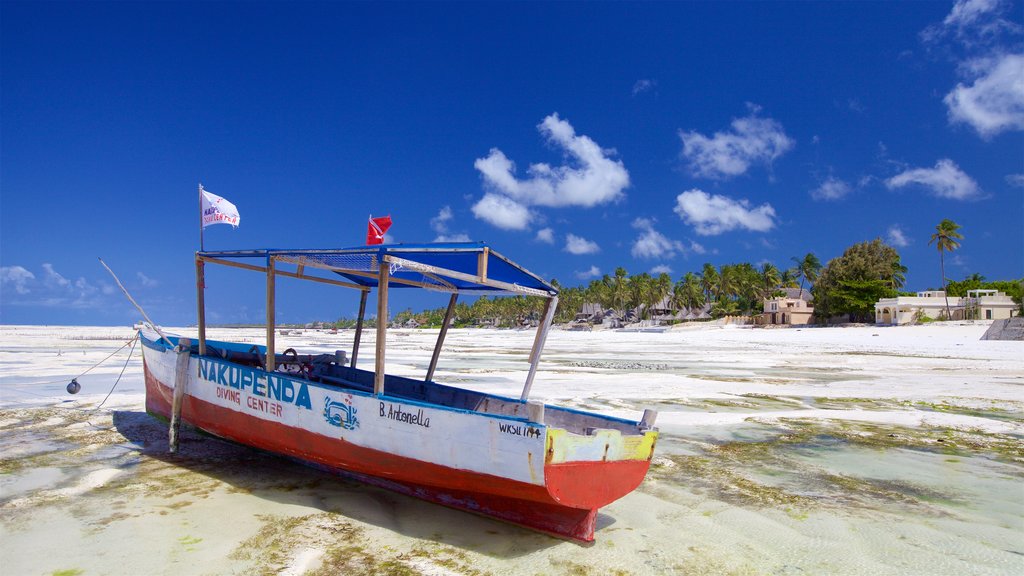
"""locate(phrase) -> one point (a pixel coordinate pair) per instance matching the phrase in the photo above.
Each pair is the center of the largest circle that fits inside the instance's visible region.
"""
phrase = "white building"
(979, 305)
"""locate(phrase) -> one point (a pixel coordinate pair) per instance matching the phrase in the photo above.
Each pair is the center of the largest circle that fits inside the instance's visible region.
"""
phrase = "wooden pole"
(136, 304)
(180, 382)
(440, 337)
(538, 344)
(359, 326)
(201, 303)
(382, 325)
(201, 247)
(270, 314)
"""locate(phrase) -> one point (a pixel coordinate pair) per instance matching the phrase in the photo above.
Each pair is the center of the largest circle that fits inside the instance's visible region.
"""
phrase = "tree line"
(847, 286)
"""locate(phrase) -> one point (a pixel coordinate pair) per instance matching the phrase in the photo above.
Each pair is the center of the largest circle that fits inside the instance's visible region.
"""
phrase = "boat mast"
(201, 248)
(201, 303)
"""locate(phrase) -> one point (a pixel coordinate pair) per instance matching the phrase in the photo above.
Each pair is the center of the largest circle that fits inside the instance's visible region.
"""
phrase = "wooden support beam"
(448, 315)
(382, 326)
(481, 264)
(183, 351)
(538, 345)
(300, 276)
(359, 327)
(201, 303)
(506, 286)
(270, 314)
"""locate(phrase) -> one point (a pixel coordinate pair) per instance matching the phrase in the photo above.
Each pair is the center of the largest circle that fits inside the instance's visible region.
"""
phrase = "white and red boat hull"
(534, 475)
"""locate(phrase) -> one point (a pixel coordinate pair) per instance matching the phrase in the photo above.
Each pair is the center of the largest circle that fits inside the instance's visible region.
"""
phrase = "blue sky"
(572, 137)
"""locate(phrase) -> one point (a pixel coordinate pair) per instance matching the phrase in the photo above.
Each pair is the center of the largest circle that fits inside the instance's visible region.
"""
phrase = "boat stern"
(596, 469)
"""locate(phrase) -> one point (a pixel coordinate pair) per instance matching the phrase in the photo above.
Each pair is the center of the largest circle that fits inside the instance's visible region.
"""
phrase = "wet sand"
(863, 450)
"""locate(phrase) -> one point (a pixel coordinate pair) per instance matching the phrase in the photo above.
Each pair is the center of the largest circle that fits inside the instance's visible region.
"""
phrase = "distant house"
(977, 305)
(989, 305)
(791, 308)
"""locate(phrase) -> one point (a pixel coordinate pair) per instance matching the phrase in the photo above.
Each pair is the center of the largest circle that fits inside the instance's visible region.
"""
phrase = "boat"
(540, 466)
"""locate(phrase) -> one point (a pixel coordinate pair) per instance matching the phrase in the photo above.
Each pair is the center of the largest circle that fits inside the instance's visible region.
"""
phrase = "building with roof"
(977, 305)
(792, 307)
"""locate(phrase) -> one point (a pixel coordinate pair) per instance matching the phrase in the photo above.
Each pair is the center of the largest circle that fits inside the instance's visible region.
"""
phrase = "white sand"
(940, 494)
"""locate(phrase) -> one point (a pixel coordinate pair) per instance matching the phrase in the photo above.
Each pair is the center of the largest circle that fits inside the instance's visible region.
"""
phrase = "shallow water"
(782, 452)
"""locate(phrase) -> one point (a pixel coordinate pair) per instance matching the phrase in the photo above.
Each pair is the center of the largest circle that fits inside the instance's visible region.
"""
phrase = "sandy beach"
(859, 450)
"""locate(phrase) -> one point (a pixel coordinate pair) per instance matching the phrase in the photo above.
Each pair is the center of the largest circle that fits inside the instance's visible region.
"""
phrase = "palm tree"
(709, 281)
(807, 269)
(639, 290)
(619, 288)
(687, 293)
(771, 278)
(945, 239)
(661, 287)
(788, 278)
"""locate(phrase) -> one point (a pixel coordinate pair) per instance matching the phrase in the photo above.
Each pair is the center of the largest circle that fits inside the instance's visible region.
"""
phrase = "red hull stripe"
(570, 510)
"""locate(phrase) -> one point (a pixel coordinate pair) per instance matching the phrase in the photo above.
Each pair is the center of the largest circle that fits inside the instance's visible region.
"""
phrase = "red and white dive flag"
(376, 228)
(217, 210)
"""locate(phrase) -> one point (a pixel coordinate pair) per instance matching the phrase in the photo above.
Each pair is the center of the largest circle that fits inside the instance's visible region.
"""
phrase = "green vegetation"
(849, 285)
(852, 283)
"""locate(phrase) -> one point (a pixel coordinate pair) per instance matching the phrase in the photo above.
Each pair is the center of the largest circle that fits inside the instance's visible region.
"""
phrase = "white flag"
(217, 210)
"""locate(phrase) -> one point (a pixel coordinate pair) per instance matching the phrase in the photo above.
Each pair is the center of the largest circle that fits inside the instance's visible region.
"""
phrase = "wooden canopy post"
(382, 325)
(359, 326)
(440, 337)
(201, 303)
(270, 365)
(538, 344)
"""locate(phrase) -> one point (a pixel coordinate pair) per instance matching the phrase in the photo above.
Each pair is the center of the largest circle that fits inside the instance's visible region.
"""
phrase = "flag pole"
(201, 248)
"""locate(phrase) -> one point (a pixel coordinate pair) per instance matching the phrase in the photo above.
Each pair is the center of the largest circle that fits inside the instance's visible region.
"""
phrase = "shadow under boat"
(269, 476)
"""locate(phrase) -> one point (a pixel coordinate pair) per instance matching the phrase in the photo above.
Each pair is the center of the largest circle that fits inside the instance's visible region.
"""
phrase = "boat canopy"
(457, 268)
(471, 268)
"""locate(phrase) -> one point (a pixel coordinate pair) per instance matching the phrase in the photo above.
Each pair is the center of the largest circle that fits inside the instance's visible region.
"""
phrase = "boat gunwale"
(158, 345)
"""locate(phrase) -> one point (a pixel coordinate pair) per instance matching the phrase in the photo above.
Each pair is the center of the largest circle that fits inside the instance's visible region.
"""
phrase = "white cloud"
(593, 272)
(452, 238)
(661, 269)
(53, 278)
(593, 179)
(714, 214)
(750, 140)
(146, 281)
(896, 236)
(502, 212)
(1015, 180)
(644, 85)
(994, 102)
(546, 235)
(973, 23)
(17, 277)
(54, 290)
(831, 189)
(946, 180)
(439, 224)
(697, 248)
(577, 245)
(653, 244)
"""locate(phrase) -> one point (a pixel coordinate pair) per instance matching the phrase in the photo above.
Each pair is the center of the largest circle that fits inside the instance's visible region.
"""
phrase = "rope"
(130, 352)
(132, 342)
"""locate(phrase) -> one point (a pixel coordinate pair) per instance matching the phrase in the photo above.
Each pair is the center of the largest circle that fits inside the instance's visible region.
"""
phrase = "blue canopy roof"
(462, 267)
